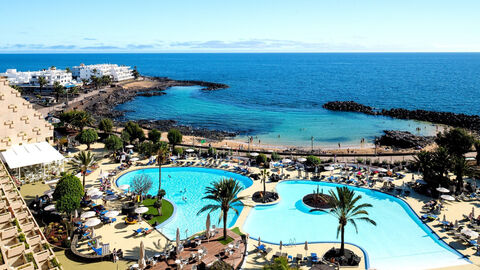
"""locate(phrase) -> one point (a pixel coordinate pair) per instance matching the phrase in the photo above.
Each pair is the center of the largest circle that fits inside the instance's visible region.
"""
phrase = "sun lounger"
(137, 231)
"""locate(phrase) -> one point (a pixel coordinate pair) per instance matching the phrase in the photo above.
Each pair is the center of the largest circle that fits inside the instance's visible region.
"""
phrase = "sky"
(47, 26)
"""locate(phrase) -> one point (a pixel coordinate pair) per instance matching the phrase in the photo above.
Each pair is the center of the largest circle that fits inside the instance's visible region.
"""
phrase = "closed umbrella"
(259, 241)
(207, 225)
(75, 214)
(92, 222)
(87, 214)
(306, 248)
(473, 211)
(141, 260)
(456, 224)
(281, 245)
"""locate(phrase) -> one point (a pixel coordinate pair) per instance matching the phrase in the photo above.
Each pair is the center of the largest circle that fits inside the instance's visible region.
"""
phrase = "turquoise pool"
(399, 241)
(189, 183)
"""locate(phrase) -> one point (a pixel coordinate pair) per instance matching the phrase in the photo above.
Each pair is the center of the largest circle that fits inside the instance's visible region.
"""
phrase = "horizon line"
(226, 52)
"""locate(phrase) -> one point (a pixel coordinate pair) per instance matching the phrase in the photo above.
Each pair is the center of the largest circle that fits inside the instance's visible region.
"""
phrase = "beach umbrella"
(92, 191)
(302, 159)
(286, 160)
(96, 196)
(382, 170)
(50, 207)
(281, 245)
(189, 150)
(141, 210)
(92, 222)
(447, 197)
(470, 233)
(111, 214)
(207, 225)
(111, 197)
(49, 192)
(88, 214)
(124, 187)
(141, 260)
(443, 190)
(306, 248)
(254, 154)
(134, 159)
(329, 168)
(177, 240)
(129, 146)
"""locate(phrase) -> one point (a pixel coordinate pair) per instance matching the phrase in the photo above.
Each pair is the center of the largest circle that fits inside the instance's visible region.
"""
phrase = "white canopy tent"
(30, 155)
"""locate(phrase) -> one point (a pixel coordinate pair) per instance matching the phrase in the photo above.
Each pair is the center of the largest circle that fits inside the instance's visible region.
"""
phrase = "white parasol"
(329, 168)
(92, 191)
(302, 159)
(254, 154)
(124, 187)
(447, 197)
(50, 207)
(134, 159)
(92, 222)
(443, 190)
(286, 160)
(141, 210)
(470, 233)
(88, 214)
(189, 150)
(129, 146)
(111, 214)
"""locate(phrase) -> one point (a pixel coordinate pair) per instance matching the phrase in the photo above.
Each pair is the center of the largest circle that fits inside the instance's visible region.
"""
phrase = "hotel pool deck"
(399, 241)
(185, 187)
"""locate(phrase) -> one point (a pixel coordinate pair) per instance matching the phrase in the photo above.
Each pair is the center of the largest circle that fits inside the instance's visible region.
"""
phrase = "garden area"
(167, 211)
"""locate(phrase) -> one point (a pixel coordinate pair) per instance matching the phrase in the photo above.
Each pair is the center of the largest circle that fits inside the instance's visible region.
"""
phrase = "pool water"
(189, 183)
(399, 241)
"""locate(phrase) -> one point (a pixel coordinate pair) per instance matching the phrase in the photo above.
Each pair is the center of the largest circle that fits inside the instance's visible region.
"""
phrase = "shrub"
(147, 149)
(68, 193)
(368, 161)
(360, 160)
(312, 161)
(212, 151)
(261, 158)
(135, 131)
(276, 156)
(154, 135)
(178, 151)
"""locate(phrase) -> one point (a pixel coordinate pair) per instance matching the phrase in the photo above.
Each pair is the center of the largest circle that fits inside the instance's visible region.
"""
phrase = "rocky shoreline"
(403, 139)
(103, 105)
(470, 122)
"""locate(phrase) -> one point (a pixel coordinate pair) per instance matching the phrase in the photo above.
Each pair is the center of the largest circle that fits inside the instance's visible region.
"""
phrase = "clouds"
(253, 45)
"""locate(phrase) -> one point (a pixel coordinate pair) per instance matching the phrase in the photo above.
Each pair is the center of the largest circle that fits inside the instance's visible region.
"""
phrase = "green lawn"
(167, 210)
(237, 231)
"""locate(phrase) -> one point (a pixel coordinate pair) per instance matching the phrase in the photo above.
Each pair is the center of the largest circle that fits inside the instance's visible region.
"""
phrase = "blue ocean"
(278, 97)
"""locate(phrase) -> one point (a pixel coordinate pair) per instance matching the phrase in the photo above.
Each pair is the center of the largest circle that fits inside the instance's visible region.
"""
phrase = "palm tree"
(344, 208)
(264, 174)
(461, 168)
(42, 82)
(58, 89)
(162, 154)
(83, 161)
(225, 193)
(158, 203)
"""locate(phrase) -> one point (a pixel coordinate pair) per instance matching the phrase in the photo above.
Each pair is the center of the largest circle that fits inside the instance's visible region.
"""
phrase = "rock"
(403, 139)
(348, 106)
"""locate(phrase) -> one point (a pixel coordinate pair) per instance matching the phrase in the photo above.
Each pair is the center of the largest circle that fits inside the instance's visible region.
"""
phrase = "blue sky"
(239, 26)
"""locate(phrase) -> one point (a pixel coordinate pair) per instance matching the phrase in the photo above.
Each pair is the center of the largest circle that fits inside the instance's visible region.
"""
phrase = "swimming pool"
(399, 241)
(189, 183)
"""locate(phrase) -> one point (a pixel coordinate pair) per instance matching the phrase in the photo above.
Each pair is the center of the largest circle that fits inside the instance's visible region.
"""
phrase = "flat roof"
(30, 154)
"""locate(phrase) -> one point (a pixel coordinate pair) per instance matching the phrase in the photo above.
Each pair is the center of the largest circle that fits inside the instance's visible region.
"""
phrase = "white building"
(30, 78)
(116, 72)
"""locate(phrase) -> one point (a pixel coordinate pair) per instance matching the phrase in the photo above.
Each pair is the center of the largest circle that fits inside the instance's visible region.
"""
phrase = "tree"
(146, 148)
(95, 81)
(344, 208)
(105, 80)
(58, 89)
(212, 151)
(125, 136)
(83, 161)
(135, 73)
(106, 125)
(135, 131)
(434, 166)
(154, 135)
(141, 184)
(276, 156)
(456, 141)
(77, 119)
(68, 70)
(461, 168)
(162, 154)
(68, 194)
(264, 174)
(42, 82)
(158, 203)
(225, 195)
(113, 143)
(312, 161)
(477, 148)
(174, 137)
(178, 151)
(87, 136)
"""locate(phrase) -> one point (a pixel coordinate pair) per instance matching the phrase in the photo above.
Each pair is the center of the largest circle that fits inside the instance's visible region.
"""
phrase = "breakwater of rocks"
(403, 139)
(470, 122)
